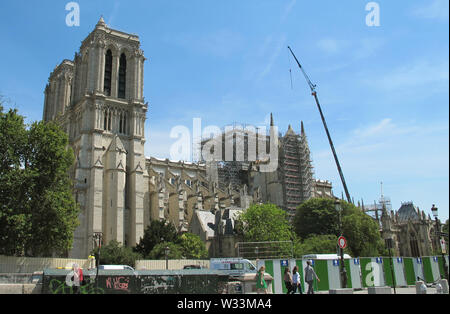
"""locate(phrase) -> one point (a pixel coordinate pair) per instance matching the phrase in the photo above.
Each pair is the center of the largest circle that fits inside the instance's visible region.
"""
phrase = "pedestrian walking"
(261, 285)
(77, 278)
(296, 281)
(288, 280)
(310, 274)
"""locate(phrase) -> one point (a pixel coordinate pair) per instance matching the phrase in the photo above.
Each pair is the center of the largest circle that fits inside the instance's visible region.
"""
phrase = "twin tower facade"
(98, 100)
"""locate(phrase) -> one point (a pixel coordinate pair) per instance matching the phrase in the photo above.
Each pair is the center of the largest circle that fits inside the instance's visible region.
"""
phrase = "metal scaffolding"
(265, 250)
(296, 170)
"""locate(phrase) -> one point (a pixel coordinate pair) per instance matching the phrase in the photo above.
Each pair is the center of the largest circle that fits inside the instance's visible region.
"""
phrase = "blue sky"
(384, 90)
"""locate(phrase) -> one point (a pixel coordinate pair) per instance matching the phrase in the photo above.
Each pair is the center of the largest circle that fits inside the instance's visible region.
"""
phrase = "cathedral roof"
(290, 131)
(407, 212)
(101, 22)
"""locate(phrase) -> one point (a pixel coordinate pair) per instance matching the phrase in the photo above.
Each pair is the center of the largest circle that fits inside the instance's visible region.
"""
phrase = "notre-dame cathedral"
(97, 98)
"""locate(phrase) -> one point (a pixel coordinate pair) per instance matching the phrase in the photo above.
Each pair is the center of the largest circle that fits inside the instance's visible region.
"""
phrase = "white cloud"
(431, 74)
(383, 126)
(411, 158)
(113, 14)
(276, 51)
(358, 49)
(157, 143)
(288, 9)
(331, 46)
(368, 47)
(436, 10)
(219, 43)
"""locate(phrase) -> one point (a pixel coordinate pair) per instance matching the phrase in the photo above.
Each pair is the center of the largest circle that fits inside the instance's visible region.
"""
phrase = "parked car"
(193, 267)
(116, 267)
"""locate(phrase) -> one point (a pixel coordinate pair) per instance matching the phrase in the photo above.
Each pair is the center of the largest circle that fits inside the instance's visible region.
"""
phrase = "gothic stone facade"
(98, 100)
(412, 231)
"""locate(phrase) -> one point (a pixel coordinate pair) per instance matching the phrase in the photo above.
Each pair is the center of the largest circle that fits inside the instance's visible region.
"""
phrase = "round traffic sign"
(342, 242)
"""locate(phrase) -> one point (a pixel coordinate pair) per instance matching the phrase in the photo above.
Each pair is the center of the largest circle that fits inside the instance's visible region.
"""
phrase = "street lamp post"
(343, 271)
(98, 237)
(389, 245)
(434, 210)
(166, 253)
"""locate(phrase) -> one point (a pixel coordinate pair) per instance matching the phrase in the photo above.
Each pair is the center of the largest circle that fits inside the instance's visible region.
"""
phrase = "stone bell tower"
(98, 99)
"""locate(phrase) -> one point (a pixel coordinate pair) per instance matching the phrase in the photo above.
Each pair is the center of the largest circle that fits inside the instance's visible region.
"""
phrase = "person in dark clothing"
(288, 280)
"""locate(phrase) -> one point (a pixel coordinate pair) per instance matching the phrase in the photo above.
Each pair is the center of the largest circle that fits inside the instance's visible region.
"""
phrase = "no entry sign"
(342, 242)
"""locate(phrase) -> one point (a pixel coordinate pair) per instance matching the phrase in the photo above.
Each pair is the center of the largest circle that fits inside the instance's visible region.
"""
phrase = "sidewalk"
(398, 290)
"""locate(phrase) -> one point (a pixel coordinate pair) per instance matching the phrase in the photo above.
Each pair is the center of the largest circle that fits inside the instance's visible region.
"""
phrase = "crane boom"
(314, 93)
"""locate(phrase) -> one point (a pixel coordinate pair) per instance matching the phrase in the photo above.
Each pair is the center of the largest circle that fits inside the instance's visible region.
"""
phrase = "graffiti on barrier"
(117, 283)
(160, 284)
(60, 287)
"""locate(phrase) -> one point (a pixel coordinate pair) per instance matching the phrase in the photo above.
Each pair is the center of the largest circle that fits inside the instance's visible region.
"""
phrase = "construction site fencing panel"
(361, 272)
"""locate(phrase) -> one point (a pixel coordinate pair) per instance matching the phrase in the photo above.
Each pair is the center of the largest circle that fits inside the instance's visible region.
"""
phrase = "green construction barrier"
(364, 270)
(441, 266)
(427, 271)
(355, 273)
(283, 287)
(321, 268)
(299, 264)
(388, 271)
(202, 281)
(269, 270)
(349, 273)
(409, 271)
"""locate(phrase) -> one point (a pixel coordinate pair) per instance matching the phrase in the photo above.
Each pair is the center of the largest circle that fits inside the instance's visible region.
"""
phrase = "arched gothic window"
(108, 73)
(123, 123)
(107, 120)
(122, 76)
(414, 246)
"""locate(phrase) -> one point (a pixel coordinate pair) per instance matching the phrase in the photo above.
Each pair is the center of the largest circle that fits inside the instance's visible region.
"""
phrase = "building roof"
(207, 221)
(407, 212)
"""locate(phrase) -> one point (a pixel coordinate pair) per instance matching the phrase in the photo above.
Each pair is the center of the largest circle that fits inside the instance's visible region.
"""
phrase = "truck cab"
(232, 266)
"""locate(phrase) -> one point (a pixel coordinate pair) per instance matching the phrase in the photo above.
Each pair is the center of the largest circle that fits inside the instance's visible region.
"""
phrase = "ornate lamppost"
(438, 233)
(98, 238)
(166, 253)
(343, 271)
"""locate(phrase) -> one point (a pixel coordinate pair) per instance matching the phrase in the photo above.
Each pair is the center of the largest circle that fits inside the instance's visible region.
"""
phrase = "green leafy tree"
(192, 246)
(159, 251)
(38, 213)
(116, 254)
(320, 217)
(316, 244)
(317, 216)
(157, 232)
(15, 188)
(264, 222)
(54, 210)
(362, 234)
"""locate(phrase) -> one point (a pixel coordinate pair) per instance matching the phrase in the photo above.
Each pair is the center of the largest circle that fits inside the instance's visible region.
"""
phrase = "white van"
(116, 267)
(232, 266)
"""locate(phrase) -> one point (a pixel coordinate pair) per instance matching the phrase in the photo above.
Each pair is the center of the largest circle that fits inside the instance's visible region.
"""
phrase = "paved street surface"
(408, 290)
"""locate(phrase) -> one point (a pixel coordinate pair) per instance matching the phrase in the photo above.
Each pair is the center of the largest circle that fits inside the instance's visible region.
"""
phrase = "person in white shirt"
(296, 281)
